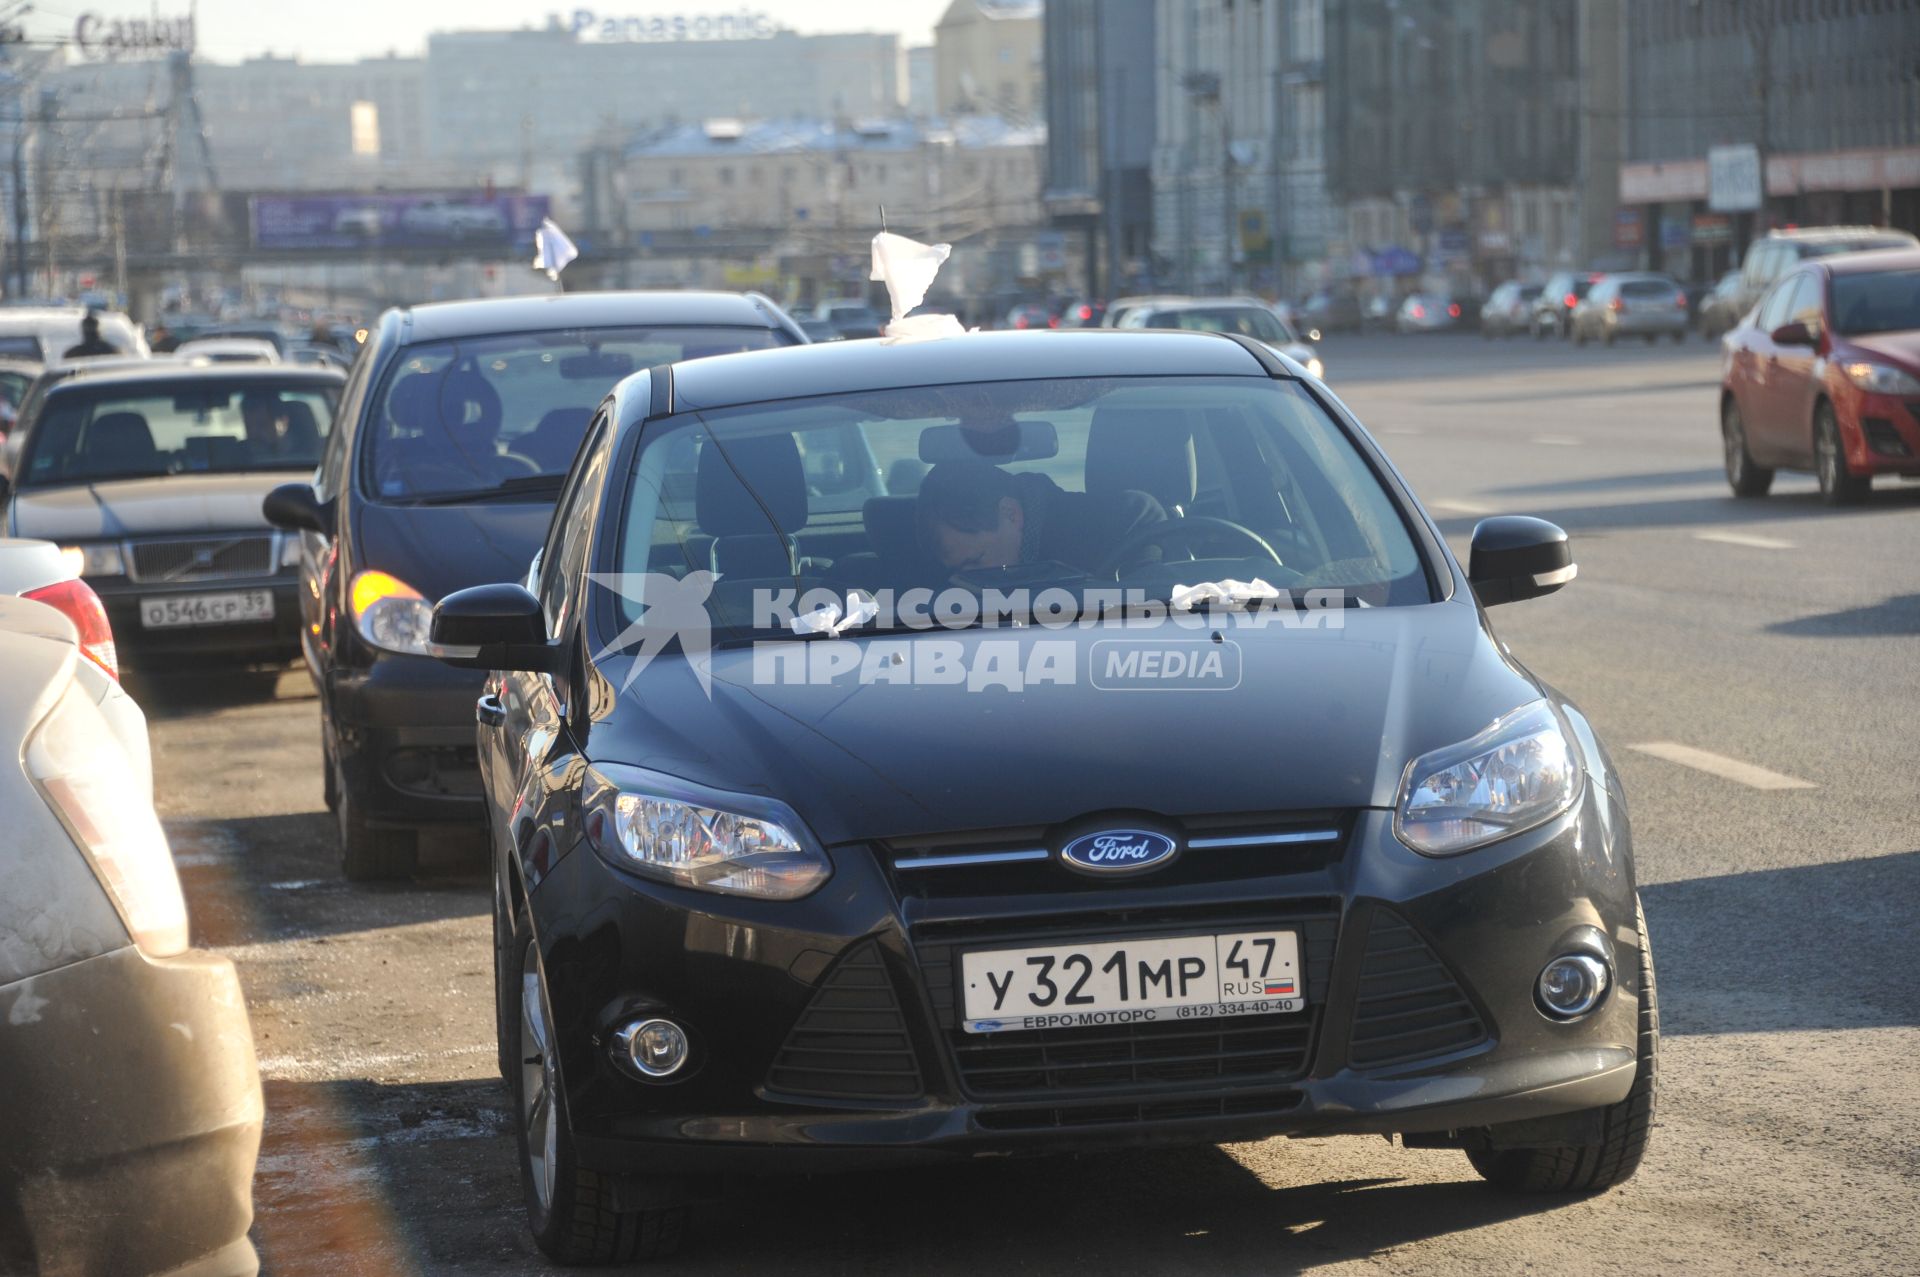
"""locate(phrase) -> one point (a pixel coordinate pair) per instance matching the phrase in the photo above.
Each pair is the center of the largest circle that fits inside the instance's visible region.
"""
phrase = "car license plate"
(172, 610)
(1131, 981)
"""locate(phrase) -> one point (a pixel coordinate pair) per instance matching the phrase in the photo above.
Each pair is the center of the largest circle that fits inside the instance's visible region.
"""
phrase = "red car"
(1824, 375)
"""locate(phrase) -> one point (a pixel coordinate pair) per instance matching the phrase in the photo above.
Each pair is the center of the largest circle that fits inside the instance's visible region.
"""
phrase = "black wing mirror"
(296, 507)
(1795, 333)
(492, 627)
(1515, 557)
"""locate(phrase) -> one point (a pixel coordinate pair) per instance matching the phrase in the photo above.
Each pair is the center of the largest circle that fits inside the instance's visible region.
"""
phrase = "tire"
(1625, 1127)
(329, 777)
(368, 853)
(1745, 476)
(570, 1209)
(1838, 486)
(1579, 335)
(1539, 330)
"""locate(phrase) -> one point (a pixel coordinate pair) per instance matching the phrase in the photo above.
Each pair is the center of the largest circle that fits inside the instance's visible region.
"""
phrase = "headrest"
(555, 437)
(124, 433)
(770, 466)
(1148, 450)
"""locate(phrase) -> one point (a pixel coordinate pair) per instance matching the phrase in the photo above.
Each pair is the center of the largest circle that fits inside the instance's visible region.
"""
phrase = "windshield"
(489, 414)
(1882, 302)
(142, 429)
(1082, 484)
(1250, 321)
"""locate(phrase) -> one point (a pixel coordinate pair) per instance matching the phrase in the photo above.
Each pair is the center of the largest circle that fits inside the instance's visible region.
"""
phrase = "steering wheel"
(1176, 531)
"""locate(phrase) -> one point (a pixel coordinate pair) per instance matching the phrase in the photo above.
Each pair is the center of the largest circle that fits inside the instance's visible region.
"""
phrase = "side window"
(1806, 306)
(1773, 308)
(565, 555)
(329, 479)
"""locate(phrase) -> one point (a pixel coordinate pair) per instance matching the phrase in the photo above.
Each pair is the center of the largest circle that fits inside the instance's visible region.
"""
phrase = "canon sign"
(102, 38)
(743, 25)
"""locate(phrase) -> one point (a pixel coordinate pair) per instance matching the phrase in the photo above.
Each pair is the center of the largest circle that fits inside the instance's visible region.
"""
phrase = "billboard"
(382, 219)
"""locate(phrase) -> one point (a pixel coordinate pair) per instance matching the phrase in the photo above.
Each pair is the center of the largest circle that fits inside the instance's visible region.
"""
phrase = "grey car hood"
(157, 506)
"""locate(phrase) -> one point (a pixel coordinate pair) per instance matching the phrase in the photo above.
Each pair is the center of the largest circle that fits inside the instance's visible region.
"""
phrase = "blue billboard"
(383, 219)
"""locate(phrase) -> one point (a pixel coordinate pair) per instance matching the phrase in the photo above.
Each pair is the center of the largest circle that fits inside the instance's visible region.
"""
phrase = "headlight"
(1317, 368)
(81, 771)
(1518, 773)
(390, 614)
(734, 844)
(96, 558)
(1880, 379)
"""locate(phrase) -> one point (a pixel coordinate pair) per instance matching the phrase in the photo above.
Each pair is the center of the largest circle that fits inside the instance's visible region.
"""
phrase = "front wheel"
(369, 853)
(1625, 1127)
(1838, 485)
(570, 1210)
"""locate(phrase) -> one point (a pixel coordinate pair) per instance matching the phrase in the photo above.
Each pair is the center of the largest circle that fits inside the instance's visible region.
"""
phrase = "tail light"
(1086, 312)
(1453, 310)
(1571, 301)
(1418, 312)
(1054, 322)
(1680, 300)
(76, 601)
(1616, 305)
(1020, 322)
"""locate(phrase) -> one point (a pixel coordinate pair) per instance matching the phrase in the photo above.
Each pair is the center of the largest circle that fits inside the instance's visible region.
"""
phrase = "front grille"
(1176, 1055)
(1409, 1006)
(851, 1042)
(202, 558)
(1057, 1117)
(1882, 437)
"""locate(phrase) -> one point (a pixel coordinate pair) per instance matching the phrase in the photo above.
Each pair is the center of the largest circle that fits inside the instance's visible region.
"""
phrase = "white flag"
(552, 249)
(908, 267)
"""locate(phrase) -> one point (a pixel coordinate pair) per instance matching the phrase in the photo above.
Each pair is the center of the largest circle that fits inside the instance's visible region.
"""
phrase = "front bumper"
(132, 1110)
(750, 980)
(404, 737)
(270, 641)
(1881, 433)
(1642, 323)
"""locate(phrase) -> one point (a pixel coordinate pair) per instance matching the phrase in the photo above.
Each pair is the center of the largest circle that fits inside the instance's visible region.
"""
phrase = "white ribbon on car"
(1186, 598)
(832, 621)
(907, 267)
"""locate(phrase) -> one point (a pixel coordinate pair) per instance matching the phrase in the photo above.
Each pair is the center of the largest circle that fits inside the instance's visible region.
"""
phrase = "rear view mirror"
(491, 627)
(600, 365)
(1016, 441)
(295, 507)
(1792, 334)
(1515, 557)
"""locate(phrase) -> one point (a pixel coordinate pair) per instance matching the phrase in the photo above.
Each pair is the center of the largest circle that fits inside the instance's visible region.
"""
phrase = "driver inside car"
(973, 514)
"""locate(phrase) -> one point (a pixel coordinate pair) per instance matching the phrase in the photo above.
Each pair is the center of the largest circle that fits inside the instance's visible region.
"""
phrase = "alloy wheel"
(539, 1078)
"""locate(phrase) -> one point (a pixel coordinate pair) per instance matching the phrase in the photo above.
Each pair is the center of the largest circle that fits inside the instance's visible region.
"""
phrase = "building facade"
(987, 60)
(1239, 161)
(1101, 86)
(1823, 99)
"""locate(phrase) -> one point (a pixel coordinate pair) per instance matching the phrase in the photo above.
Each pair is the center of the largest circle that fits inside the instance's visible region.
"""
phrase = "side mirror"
(294, 506)
(492, 627)
(1793, 334)
(1515, 557)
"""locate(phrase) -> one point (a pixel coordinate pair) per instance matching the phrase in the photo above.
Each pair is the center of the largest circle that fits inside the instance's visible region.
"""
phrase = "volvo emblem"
(1118, 851)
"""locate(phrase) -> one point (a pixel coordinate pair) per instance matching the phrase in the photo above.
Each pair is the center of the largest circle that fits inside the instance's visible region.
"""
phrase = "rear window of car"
(1649, 288)
(492, 413)
(146, 429)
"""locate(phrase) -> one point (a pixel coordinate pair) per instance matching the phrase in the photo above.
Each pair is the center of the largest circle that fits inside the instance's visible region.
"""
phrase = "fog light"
(1572, 985)
(658, 1048)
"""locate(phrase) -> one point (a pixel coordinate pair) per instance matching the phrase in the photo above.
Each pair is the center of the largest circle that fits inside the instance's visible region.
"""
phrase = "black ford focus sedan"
(1134, 764)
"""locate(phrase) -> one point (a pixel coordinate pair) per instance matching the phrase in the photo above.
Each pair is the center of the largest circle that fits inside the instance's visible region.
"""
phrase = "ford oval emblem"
(1118, 851)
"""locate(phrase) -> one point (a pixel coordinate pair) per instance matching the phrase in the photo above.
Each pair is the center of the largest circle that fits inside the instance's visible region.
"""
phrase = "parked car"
(1715, 313)
(456, 436)
(1631, 304)
(1777, 252)
(1248, 317)
(230, 350)
(850, 317)
(1508, 309)
(1117, 311)
(1553, 309)
(153, 477)
(741, 929)
(457, 220)
(1823, 375)
(1332, 310)
(1030, 315)
(44, 334)
(128, 1088)
(1083, 313)
(1427, 313)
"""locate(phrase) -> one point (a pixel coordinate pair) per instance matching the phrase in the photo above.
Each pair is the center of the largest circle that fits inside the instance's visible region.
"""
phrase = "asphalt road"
(1755, 668)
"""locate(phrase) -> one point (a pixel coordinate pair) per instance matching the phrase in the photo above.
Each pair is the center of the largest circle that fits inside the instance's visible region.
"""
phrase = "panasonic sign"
(591, 26)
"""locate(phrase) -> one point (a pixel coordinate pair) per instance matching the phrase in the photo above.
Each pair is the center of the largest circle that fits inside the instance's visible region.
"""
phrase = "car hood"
(157, 506)
(440, 549)
(1321, 718)
(1900, 348)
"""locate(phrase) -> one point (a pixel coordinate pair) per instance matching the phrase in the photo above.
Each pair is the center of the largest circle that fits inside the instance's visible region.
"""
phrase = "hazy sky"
(341, 30)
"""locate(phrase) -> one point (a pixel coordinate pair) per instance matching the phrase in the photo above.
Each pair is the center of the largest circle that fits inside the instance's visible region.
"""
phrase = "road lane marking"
(1720, 765)
(1464, 507)
(1743, 538)
(1557, 441)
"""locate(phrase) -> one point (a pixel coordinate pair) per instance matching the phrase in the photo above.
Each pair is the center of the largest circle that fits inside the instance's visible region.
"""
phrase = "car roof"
(441, 321)
(1838, 232)
(1870, 262)
(845, 367)
(176, 373)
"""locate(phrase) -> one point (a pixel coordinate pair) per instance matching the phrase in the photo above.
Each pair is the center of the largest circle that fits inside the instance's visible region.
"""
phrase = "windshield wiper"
(521, 486)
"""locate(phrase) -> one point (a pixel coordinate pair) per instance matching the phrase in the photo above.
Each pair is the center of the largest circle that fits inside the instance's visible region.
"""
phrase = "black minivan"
(456, 428)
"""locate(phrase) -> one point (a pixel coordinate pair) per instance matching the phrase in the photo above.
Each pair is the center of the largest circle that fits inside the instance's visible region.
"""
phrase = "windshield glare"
(1883, 302)
(470, 416)
(200, 427)
(1076, 484)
